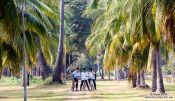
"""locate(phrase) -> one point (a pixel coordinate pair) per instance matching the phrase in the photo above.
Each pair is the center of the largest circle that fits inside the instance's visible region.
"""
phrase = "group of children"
(86, 77)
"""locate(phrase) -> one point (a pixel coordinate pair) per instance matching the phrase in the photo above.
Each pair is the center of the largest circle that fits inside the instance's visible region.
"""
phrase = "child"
(84, 79)
(92, 77)
(75, 76)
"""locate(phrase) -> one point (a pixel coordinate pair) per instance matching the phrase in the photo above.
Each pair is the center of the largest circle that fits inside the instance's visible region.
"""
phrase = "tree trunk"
(43, 65)
(160, 85)
(109, 76)
(24, 53)
(5, 72)
(138, 78)
(154, 72)
(121, 74)
(142, 78)
(115, 74)
(57, 78)
(98, 65)
(0, 61)
(134, 80)
(102, 73)
(0, 73)
(38, 71)
(28, 79)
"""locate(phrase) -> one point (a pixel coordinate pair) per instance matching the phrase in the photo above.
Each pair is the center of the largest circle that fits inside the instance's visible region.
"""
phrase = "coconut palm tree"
(59, 63)
(146, 22)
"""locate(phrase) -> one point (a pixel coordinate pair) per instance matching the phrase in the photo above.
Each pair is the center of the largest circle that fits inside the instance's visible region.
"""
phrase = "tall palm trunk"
(59, 64)
(160, 85)
(24, 53)
(154, 72)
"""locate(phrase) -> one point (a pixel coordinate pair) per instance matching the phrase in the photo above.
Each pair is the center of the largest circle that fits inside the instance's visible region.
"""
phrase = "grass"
(106, 91)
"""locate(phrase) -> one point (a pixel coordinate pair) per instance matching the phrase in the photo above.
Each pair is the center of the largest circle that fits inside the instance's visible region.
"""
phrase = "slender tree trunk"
(24, 53)
(142, 78)
(115, 74)
(160, 85)
(0, 73)
(154, 72)
(69, 58)
(109, 75)
(0, 60)
(98, 65)
(57, 78)
(28, 79)
(138, 78)
(102, 73)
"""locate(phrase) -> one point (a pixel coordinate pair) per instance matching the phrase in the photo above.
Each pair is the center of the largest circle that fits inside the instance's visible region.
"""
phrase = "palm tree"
(34, 27)
(59, 63)
(143, 22)
(24, 54)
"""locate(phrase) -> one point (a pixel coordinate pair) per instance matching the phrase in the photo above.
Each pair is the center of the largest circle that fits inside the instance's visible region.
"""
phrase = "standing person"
(92, 77)
(84, 79)
(75, 76)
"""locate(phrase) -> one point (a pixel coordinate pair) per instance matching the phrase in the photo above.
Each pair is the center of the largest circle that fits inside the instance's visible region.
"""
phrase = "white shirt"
(92, 75)
(84, 75)
(76, 74)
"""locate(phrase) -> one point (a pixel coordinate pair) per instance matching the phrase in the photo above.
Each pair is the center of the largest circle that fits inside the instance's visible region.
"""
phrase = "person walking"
(92, 77)
(75, 76)
(84, 76)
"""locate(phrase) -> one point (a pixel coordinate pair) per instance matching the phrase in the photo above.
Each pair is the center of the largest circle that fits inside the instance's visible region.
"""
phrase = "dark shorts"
(75, 79)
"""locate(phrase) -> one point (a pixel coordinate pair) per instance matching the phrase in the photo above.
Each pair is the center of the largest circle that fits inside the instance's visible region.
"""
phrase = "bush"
(36, 80)
(10, 81)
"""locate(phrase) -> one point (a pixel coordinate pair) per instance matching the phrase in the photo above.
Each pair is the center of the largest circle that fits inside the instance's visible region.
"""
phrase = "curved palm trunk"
(59, 64)
(43, 65)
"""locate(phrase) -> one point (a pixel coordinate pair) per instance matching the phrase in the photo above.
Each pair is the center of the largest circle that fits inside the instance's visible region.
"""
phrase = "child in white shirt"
(92, 77)
(84, 78)
(75, 76)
